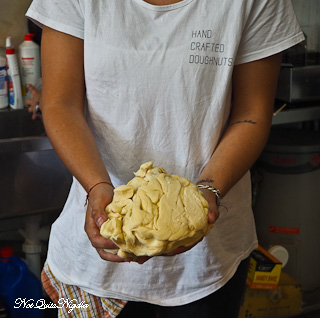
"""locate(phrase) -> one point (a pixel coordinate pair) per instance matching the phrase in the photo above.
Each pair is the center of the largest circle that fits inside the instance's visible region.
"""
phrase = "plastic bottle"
(4, 102)
(19, 288)
(29, 57)
(15, 96)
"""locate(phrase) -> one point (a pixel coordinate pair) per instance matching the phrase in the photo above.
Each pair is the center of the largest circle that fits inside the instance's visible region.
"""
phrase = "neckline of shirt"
(163, 7)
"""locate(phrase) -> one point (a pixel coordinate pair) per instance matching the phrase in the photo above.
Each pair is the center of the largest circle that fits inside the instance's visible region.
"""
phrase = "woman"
(187, 84)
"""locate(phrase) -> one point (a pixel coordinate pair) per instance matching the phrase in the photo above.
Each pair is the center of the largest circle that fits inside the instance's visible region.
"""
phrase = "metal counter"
(32, 177)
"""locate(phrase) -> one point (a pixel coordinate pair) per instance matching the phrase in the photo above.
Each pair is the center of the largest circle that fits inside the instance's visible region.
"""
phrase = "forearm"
(238, 149)
(63, 107)
(254, 86)
(72, 140)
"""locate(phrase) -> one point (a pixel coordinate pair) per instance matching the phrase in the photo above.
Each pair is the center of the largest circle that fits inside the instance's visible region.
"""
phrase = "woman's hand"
(213, 211)
(100, 197)
(32, 102)
(213, 215)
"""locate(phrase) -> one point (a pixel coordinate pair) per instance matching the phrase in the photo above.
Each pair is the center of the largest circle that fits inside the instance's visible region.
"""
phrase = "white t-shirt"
(158, 82)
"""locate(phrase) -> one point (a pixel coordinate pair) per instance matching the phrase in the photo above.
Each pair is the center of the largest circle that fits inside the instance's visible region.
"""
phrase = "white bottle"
(15, 96)
(4, 102)
(29, 57)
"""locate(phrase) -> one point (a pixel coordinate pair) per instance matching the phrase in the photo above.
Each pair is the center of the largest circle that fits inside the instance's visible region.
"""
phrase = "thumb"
(100, 220)
(99, 216)
(211, 217)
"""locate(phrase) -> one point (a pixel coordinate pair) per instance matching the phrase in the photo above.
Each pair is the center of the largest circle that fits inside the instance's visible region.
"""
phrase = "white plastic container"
(30, 65)
(15, 96)
(4, 102)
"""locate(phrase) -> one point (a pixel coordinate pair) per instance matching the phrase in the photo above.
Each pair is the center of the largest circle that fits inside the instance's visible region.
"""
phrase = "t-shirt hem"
(277, 48)
(41, 20)
(175, 301)
(57, 273)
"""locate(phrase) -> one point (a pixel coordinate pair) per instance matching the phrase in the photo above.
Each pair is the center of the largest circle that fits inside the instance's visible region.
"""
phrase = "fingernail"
(100, 221)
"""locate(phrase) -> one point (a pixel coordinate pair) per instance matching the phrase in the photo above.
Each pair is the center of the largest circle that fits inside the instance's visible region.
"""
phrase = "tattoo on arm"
(246, 121)
(205, 181)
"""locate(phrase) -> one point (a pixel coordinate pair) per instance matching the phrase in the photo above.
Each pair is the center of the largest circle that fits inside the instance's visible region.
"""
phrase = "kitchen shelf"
(296, 115)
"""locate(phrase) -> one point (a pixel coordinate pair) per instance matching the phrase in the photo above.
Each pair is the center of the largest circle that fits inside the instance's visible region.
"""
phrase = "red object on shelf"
(6, 252)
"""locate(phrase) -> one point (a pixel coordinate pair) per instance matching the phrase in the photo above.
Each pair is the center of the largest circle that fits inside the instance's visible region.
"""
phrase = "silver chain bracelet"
(212, 189)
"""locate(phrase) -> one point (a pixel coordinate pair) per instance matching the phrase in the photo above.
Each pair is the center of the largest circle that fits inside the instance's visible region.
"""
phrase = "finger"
(99, 199)
(112, 257)
(93, 232)
(142, 259)
(212, 217)
(99, 217)
(182, 249)
(31, 109)
(30, 105)
(99, 242)
(33, 90)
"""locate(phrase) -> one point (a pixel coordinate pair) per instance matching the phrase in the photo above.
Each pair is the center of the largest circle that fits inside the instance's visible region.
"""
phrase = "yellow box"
(264, 270)
(284, 301)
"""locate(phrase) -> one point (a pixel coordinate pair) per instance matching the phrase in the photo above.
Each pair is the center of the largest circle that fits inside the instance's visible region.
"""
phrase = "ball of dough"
(155, 213)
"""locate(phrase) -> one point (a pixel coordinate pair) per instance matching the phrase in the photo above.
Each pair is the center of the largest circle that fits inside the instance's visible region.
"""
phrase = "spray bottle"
(15, 95)
(4, 102)
(29, 57)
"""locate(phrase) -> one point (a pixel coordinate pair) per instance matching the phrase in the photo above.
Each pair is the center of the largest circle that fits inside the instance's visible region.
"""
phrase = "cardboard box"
(264, 270)
(284, 301)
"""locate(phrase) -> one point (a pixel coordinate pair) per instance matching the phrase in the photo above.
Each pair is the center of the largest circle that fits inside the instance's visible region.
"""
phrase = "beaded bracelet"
(87, 198)
(212, 189)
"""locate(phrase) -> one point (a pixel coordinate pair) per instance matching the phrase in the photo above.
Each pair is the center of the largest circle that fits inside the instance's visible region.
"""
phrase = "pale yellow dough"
(155, 213)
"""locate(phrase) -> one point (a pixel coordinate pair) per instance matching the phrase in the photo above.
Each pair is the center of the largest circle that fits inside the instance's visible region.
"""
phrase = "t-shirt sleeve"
(62, 15)
(271, 27)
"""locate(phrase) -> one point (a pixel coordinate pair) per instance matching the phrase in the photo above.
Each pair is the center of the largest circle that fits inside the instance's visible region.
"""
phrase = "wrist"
(214, 190)
(108, 183)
